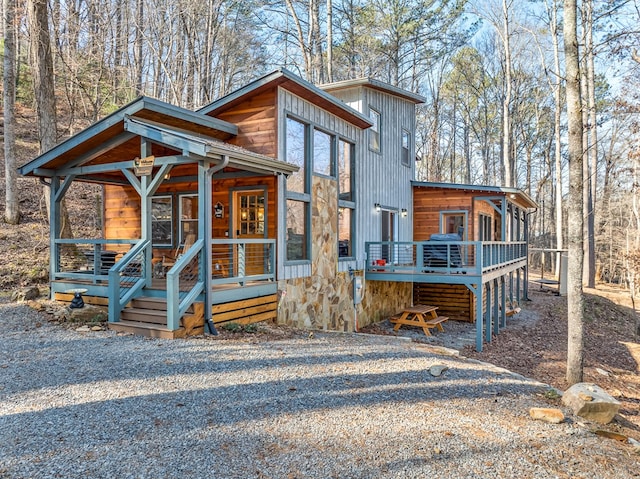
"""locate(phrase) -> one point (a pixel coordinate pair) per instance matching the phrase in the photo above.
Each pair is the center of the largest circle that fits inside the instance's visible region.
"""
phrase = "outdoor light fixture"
(404, 212)
(377, 206)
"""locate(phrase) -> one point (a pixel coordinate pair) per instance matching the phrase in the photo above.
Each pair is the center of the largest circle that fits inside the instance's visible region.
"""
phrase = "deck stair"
(147, 316)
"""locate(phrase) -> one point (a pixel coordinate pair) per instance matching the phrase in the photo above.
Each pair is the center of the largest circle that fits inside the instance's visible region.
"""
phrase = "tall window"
(188, 216)
(161, 221)
(374, 131)
(323, 158)
(346, 204)
(406, 148)
(484, 228)
(298, 191)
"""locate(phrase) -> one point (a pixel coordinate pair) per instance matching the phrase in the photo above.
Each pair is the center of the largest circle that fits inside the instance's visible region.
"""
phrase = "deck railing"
(442, 257)
(87, 259)
(184, 283)
(243, 260)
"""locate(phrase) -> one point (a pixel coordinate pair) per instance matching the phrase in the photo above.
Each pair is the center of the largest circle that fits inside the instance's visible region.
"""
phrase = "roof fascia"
(278, 76)
(376, 85)
(493, 189)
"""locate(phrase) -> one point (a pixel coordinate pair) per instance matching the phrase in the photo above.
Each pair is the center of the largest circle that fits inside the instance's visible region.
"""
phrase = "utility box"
(358, 286)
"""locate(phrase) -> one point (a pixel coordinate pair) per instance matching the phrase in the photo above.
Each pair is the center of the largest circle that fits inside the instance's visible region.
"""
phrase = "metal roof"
(513, 193)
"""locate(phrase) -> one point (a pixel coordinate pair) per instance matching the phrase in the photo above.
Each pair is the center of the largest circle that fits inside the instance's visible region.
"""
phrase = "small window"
(162, 221)
(344, 233)
(454, 223)
(406, 148)
(188, 216)
(322, 153)
(297, 230)
(374, 131)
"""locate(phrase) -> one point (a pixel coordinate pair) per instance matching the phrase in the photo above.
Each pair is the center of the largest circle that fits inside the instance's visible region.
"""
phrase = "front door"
(249, 222)
(388, 227)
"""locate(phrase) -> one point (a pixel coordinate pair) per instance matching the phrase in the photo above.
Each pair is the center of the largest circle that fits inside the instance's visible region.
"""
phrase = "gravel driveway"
(97, 405)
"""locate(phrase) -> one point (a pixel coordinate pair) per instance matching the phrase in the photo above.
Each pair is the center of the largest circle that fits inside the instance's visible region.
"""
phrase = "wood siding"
(429, 202)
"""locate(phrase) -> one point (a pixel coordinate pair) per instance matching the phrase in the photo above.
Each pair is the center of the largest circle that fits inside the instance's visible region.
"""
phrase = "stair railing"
(127, 278)
(177, 303)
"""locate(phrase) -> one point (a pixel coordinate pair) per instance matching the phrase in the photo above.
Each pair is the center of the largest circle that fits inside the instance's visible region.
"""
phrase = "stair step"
(144, 315)
(146, 329)
(148, 302)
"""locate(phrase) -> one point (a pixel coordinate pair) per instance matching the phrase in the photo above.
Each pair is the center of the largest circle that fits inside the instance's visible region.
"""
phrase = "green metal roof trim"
(210, 147)
(487, 189)
(284, 74)
(376, 85)
(139, 104)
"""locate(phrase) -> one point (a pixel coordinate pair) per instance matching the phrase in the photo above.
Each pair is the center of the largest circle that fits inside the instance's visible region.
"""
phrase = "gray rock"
(550, 415)
(25, 294)
(437, 369)
(591, 402)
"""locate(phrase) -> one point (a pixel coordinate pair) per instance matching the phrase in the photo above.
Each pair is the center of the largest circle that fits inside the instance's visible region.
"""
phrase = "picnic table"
(423, 316)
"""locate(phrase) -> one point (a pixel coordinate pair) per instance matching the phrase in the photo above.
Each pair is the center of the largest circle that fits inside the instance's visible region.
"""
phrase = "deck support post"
(496, 314)
(476, 290)
(488, 311)
(503, 302)
(526, 252)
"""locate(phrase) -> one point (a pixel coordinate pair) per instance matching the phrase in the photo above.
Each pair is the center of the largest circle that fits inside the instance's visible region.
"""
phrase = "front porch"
(113, 272)
(494, 272)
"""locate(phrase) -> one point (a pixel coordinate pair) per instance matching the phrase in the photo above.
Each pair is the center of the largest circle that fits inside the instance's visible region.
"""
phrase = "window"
(251, 221)
(454, 223)
(345, 167)
(296, 151)
(484, 228)
(374, 131)
(162, 221)
(296, 230)
(323, 153)
(406, 148)
(344, 233)
(188, 216)
(298, 192)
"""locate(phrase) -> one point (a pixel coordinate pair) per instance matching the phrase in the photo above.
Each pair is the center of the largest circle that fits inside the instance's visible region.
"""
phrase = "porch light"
(377, 206)
(404, 212)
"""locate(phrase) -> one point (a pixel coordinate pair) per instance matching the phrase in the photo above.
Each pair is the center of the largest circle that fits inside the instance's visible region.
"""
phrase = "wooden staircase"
(147, 316)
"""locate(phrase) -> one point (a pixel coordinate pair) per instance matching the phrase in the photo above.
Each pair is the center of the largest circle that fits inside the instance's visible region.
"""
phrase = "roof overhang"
(514, 195)
(296, 85)
(374, 85)
(109, 133)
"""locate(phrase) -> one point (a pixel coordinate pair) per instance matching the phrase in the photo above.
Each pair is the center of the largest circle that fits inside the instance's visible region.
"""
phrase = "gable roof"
(516, 195)
(288, 80)
(374, 85)
(108, 134)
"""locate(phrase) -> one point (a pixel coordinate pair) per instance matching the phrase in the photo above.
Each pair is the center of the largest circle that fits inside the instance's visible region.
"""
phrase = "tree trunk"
(592, 150)
(509, 169)
(12, 210)
(575, 300)
(42, 72)
(329, 41)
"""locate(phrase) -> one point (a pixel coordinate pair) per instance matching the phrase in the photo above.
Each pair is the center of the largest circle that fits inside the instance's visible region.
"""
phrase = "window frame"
(349, 203)
(170, 221)
(180, 218)
(332, 152)
(376, 118)
(447, 213)
(405, 151)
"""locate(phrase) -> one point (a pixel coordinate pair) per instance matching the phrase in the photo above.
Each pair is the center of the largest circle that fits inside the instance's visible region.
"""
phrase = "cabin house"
(282, 200)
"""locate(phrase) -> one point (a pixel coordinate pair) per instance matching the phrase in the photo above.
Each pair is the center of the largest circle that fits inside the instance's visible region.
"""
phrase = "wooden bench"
(422, 316)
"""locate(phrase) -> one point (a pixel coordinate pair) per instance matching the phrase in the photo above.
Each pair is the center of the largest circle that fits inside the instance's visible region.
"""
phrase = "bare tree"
(12, 210)
(575, 300)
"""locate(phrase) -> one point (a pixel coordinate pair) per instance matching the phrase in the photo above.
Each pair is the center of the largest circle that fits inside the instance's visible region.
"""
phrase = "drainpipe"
(208, 252)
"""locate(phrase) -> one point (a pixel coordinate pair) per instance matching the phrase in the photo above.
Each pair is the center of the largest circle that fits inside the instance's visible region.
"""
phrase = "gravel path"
(97, 405)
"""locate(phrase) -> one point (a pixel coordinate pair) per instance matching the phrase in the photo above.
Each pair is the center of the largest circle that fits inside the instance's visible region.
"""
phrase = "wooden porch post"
(477, 292)
(503, 301)
(503, 226)
(496, 314)
(487, 310)
(526, 252)
(54, 228)
(205, 187)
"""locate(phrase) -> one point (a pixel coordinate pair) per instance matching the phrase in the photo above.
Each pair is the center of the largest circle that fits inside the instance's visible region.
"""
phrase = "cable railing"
(242, 261)
(442, 257)
(127, 277)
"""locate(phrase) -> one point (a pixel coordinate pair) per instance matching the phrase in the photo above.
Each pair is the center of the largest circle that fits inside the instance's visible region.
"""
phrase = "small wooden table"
(423, 316)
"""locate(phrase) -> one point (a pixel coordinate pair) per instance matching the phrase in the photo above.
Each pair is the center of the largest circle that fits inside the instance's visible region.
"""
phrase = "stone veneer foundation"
(324, 300)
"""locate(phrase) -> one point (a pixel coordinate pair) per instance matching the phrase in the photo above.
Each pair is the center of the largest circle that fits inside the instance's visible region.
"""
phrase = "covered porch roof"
(107, 150)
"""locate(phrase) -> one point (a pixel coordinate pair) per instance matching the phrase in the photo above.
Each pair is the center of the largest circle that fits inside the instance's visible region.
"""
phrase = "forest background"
(491, 72)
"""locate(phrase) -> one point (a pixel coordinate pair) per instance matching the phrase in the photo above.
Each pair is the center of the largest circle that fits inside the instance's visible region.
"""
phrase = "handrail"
(176, 307)
(133, 284)
(239, 264)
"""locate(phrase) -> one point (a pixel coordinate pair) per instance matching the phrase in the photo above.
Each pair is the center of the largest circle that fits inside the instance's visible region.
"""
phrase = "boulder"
(88, 314)
(25, 294)
(591, 402)
(551, 415)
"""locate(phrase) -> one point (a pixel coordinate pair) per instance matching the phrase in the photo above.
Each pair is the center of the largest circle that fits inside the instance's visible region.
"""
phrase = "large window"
(454, 223)
(374, 131)
(162, 221)
(346, 204)
(188, 217)
(296, 151)
(298, 190)
(323, 156)
(406, 148)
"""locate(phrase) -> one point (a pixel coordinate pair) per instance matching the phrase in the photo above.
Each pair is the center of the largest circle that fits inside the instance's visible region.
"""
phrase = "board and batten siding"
(301, 109)
(380, 176)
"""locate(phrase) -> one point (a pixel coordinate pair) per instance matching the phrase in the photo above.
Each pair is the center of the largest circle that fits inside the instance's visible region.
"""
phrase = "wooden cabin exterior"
(281, 200)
